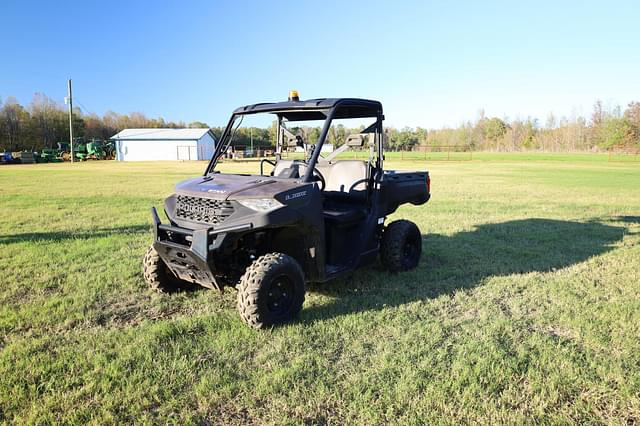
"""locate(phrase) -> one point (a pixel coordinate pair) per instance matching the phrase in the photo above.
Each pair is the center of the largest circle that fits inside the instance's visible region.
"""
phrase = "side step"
(332, 270)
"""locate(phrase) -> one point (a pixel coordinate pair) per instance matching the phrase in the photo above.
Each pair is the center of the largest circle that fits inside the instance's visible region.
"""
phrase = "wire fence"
(415, 153)
(624, 155)
(431, 153)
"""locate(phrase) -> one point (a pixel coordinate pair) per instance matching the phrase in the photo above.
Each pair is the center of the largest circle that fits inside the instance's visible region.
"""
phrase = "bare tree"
(13, 117)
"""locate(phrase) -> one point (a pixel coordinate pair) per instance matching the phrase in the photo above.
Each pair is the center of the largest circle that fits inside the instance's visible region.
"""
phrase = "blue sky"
(430, 63)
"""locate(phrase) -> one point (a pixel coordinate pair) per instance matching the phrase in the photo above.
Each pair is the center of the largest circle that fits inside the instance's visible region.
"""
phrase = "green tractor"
(110, 150)
(96, 149)
(80, 149)
(50, 155)
(93, 150)
(64, 152)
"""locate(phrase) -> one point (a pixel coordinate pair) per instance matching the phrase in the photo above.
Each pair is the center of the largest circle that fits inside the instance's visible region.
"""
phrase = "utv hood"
(230, 187)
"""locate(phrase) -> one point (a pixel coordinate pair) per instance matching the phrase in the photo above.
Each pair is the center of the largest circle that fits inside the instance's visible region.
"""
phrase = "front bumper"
(189, 253)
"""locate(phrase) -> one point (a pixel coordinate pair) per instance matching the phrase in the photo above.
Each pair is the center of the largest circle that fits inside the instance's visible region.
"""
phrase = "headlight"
(261, 204)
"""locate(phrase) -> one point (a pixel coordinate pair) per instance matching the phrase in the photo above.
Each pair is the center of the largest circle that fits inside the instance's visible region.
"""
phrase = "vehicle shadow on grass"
(635, 220)
(57, 236)
(466, 259)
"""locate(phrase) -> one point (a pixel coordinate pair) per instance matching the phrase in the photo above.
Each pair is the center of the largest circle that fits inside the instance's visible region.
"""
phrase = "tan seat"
(345, 176)
(286, 164)
(281, 165)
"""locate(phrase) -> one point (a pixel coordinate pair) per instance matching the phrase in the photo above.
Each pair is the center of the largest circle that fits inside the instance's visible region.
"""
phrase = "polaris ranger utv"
(309, 219)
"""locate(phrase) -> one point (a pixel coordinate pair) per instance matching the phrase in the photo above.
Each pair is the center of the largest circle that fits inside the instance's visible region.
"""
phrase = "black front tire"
(271, 291)
(157, 276)
(401, 246)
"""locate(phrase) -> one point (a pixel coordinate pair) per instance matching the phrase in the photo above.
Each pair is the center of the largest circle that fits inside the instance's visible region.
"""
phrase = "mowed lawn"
(524, 309)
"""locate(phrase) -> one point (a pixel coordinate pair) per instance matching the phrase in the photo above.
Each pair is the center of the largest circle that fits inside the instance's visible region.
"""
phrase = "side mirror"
(356, 140)
(295, 141)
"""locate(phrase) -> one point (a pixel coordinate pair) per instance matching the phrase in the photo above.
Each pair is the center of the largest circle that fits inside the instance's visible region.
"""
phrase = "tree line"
(606, 128)
(44, 122)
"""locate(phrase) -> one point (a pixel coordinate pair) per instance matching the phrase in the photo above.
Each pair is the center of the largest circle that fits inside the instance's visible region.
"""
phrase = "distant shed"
(164, 144)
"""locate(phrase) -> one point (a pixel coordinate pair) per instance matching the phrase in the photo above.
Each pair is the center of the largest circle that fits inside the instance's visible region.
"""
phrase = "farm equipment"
(48, 155)
(95, 149)
(28, 157)
(6, 158)
(64, 151)
(109, 150)
(308, 220)
(80, 149)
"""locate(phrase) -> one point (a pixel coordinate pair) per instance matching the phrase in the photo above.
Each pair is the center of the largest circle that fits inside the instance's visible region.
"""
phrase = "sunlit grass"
(525, 308)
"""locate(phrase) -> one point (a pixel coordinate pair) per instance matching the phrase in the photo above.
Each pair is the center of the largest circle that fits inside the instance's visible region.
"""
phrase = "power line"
(82, 107)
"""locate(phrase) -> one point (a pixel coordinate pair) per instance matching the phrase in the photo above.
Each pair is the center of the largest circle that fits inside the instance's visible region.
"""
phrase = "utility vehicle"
(305, 217)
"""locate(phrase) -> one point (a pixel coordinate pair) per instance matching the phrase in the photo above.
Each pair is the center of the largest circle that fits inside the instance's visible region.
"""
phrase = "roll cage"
(327, 109)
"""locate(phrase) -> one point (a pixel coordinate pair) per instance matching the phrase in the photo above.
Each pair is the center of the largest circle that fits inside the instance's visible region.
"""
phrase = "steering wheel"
(319, 178)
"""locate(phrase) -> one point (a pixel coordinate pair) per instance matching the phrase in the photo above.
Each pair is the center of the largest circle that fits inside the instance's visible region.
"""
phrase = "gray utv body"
(326, 216)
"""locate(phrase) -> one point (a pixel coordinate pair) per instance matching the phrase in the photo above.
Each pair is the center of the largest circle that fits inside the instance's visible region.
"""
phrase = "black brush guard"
(188, 253)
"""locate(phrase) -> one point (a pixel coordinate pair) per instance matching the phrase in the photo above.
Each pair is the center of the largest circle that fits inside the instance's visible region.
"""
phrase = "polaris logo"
(295, 195)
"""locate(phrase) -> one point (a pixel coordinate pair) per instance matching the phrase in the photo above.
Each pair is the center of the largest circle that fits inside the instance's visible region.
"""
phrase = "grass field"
(524, 309)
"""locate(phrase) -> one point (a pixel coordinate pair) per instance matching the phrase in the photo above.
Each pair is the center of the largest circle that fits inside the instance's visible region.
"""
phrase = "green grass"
(524, 309)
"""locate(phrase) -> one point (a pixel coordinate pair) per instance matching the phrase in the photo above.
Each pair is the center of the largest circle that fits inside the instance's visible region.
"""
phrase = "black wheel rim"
(411, 253)
(280, 295)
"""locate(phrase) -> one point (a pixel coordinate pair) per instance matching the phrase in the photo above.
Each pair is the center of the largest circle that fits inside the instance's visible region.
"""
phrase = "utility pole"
(70, 120)
(251, 133)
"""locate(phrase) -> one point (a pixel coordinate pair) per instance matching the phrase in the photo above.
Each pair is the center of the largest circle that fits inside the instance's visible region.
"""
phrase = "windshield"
(261, 140)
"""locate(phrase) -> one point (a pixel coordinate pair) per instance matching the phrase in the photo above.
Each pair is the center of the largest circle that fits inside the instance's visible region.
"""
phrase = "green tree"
(494, 129)
(198, 125)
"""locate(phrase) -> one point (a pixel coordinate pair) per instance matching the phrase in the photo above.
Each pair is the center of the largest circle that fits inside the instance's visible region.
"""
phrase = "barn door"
(183, 152)
(187, 152)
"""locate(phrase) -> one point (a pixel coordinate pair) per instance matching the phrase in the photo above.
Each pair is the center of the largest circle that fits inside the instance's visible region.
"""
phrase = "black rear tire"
(401, 246)
(271, 291)
(157, 276)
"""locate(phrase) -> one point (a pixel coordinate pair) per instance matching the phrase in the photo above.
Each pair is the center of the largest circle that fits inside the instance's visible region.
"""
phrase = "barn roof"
(160, 134)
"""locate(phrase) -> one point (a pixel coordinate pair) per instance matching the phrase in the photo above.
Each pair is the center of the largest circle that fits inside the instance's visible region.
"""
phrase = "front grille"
(203, 209)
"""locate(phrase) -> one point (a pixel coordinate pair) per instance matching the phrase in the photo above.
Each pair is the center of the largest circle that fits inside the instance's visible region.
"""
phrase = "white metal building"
(164, 144)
